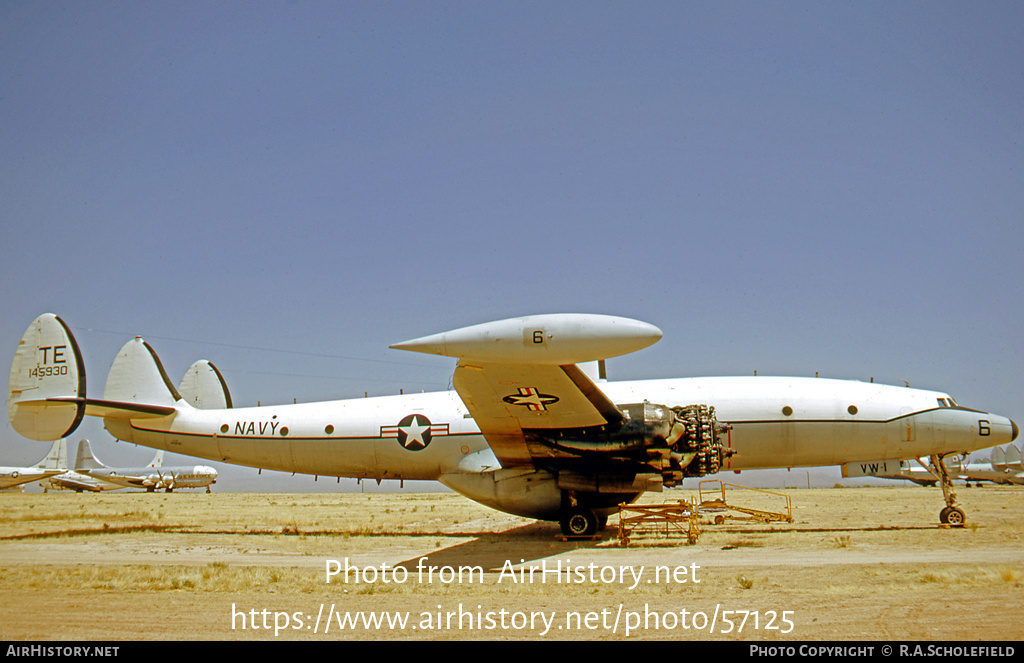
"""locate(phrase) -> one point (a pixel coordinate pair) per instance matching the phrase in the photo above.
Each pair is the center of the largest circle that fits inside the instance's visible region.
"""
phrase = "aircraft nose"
(1014, 431)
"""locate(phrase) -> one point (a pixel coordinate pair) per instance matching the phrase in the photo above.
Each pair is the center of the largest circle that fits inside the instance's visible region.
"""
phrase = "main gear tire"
(579, 521)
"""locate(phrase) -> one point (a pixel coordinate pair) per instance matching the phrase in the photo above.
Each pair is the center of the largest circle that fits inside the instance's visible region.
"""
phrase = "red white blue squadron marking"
(414, 431)
(531, 398)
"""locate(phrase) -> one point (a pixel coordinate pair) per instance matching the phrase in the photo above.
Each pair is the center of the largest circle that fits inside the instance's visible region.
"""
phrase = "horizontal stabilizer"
(47, 365)
(92, 407)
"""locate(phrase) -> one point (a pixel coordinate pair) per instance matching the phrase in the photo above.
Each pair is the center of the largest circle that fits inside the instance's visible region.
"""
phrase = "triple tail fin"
(46, 397)
(138, 377)
(46, 366)
(204, 387)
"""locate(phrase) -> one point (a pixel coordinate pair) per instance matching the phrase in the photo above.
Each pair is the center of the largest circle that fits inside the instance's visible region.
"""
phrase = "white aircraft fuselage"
(985, 472)
(817, 429)
(526, 429)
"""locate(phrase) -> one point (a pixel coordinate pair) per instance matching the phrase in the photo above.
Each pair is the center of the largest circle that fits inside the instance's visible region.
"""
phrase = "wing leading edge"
(520, 374)
(506, 399)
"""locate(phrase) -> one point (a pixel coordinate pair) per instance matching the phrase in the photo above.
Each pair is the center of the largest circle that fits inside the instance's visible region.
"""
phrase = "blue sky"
(285, 188)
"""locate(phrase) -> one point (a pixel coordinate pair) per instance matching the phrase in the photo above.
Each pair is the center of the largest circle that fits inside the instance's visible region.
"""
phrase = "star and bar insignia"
(414, 431)
(531, 398)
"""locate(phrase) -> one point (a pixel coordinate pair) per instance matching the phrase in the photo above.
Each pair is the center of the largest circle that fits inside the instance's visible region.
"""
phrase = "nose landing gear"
(952, 514)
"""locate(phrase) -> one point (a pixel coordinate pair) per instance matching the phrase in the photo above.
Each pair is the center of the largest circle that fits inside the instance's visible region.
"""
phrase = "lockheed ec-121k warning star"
(532, 428)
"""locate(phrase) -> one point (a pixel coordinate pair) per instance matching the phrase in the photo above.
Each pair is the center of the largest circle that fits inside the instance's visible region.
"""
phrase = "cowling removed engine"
(653, 444)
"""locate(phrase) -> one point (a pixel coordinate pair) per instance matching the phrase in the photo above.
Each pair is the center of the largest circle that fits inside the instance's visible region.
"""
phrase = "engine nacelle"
(670, 442)
(526, 492)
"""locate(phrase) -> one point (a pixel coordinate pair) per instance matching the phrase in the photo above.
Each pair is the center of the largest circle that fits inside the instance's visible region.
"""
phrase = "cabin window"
(787, 411)
(852, 409)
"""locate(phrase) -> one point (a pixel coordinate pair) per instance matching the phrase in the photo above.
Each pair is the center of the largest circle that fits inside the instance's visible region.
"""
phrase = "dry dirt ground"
(856, 564)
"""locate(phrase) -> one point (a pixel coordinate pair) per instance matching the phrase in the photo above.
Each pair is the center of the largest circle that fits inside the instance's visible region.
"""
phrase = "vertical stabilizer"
(1012, 458)
(137, 376)
(85, 460)
(47, 365)
(158, 459)
(57, 458)
(998, 461)
(203, 387)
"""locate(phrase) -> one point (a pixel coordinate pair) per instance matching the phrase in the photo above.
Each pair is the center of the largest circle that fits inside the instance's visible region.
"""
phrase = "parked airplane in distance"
(152, 477)
(532, 427)
(1004, 466)
(914, 470)
(64, 478)
(12, 477)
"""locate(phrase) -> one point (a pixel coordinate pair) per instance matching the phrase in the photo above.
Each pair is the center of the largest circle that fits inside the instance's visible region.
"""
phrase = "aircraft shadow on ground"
(491, 550)
(530, 543)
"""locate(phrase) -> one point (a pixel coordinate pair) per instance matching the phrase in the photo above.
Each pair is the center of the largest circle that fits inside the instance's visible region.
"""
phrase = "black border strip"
(597, 398)
(80, 392)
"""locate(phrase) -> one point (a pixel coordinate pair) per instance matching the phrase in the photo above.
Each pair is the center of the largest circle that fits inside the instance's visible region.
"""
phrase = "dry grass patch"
(1012, 576)
(212, 577)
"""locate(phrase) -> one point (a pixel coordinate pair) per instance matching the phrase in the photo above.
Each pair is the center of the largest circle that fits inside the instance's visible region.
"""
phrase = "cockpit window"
(946, 402)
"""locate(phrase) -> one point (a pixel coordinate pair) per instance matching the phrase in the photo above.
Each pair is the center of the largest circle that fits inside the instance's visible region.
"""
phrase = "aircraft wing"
(11, 477)
(506, 399)
(123, 480)
(520, 375)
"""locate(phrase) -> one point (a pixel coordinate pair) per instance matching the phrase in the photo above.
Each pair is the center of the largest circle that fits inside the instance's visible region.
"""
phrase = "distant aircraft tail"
(158, 460)
(57, 458)
(85, 460)
(998, 460)
(46, 397)
(1013, 459)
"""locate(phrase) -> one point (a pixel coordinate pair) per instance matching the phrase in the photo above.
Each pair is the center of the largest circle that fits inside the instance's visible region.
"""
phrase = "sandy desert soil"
(856, 564)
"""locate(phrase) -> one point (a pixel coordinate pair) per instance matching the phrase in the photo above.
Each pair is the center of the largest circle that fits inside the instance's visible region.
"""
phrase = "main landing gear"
(952, 514)
(577, 520)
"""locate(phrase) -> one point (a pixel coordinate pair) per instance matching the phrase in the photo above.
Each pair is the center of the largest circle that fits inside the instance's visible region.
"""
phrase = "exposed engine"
(666, 442)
